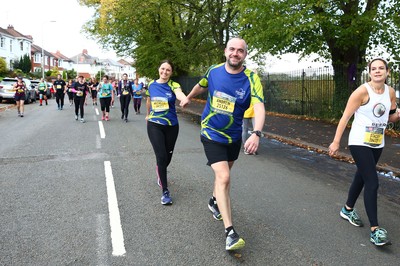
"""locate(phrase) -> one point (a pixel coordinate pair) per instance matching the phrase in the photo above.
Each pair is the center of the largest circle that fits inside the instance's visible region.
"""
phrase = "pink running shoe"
(107, 118)
(102, 118)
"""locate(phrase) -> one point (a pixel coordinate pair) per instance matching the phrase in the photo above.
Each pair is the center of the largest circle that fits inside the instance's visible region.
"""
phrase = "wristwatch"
(257, 132)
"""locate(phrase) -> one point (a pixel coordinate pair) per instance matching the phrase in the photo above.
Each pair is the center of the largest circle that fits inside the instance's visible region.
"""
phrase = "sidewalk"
(314, 135)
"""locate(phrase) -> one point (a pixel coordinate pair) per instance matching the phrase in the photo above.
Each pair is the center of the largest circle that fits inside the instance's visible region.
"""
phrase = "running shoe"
(76, 117)
(126, 120)
(82, 120)
(234, 241)
(22, 114)
(47, 103)
(102, 117)
(19, 114)
(351, 216)
(40, 104)
(107, 118)
(379, 237)
(166, 198)
(213, 207)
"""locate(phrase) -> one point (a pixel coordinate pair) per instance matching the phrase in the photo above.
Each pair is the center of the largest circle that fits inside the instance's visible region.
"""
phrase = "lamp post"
(52, 21)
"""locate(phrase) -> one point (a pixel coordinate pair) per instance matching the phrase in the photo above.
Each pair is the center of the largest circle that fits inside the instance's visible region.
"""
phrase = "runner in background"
(59, 86)
(125, 94)
(137, 95)
(42, 90)
(106, 96)
(70, 94)
(19, 96)
(80, 89)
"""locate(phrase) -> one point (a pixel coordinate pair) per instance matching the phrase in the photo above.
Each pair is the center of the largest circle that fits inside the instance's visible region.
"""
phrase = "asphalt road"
(71, 197)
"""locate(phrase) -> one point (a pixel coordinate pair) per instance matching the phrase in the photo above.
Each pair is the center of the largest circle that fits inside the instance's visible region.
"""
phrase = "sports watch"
(257, 132)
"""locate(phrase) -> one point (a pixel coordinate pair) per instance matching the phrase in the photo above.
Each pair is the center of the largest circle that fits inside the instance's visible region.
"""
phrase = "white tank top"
(370, 120)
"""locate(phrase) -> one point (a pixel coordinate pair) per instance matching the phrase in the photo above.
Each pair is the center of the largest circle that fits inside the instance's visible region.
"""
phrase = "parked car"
(6, 92)
(35, 83)
(50, 87)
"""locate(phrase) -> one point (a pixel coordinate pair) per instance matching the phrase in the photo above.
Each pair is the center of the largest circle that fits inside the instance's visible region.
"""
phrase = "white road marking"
(98, 142)
(96, 110)
(102, 132)
(117, 236)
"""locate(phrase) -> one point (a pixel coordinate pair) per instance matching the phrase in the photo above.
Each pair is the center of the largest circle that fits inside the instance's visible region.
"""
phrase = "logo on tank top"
(378, 110)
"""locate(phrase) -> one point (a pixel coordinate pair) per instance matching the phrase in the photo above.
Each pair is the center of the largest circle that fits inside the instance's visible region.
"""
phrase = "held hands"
(184, 102)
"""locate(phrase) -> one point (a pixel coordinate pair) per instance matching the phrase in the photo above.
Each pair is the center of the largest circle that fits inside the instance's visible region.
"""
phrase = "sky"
(30, 17)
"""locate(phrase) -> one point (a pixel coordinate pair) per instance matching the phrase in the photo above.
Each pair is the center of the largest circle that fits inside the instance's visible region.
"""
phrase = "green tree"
(340, 30)
(3, 67)
(191, 33)
(24, 64)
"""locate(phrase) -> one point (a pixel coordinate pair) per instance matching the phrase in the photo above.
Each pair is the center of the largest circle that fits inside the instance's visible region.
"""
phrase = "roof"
(124, 62)
(59, 55)
(14, 33)
(84, 58)
(37, 49)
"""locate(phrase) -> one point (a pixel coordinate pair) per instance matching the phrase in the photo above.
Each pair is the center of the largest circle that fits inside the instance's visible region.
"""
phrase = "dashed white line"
(96, 110)
(102, 132)
(117, 236)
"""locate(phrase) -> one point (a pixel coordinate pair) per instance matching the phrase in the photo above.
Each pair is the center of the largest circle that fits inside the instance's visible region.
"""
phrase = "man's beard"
(237, 65)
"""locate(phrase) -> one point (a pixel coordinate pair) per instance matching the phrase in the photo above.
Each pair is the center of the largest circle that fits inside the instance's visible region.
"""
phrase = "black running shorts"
(219, 152)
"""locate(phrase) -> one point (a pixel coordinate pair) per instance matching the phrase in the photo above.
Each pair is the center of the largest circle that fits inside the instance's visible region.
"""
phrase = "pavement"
(315, 135)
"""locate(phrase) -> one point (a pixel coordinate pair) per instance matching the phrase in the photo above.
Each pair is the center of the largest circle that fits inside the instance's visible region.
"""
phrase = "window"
(2, 42)
(21, 45)
(11, 44)
(37, 58)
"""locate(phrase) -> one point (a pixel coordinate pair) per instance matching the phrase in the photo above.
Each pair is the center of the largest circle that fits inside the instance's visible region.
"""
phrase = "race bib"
(125, 92)
(373, 136)
(20, 90)
(159, 104)
(79, 93)
(138, 93)
(58, 87)
(223, 103)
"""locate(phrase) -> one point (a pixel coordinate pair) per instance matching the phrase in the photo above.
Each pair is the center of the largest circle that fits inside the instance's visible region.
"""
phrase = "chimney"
(10, 27)
(84, 51)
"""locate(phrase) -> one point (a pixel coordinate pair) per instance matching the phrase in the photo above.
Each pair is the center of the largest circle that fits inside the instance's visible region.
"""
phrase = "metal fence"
(307, 92)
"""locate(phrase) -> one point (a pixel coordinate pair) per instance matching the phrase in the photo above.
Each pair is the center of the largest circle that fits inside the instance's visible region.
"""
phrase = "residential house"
(62, 62)
(85, 64)
(36, 58)
(14, 45)
(111, 68)
(128, 69)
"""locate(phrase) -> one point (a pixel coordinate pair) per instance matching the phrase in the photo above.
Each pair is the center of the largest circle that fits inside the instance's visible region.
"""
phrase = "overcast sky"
(30, 16)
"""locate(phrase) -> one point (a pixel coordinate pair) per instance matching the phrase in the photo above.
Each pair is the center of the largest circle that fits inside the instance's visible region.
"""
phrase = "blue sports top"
(229, 96)
(137, 90)
(162, 98)
(105, 90)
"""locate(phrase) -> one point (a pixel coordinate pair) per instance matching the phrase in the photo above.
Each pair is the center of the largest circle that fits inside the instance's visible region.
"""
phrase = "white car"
(6, 92)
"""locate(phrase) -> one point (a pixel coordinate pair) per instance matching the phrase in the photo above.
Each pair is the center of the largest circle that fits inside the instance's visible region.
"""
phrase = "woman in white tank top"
(373, 104)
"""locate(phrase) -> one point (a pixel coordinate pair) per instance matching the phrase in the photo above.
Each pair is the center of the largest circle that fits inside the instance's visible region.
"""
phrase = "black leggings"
(60, 98)
(105, 104)
(125, 101)
(136, 104)
(366, 176)
(79, 102)
(163, 139)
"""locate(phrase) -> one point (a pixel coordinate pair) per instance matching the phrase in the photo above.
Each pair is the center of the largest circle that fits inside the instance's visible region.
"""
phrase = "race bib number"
(58, 87)
(373, 136)
(125, 92)
(223, 103)
(159, 104)
(20, 90)
(79, 93)
(138, 93)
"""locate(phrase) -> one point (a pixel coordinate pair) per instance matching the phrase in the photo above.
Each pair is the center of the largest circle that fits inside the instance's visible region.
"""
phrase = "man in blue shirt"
(231, 88)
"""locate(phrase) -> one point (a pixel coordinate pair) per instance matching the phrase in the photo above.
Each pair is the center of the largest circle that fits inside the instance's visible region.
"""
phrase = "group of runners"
(79, 91)
(232, 89)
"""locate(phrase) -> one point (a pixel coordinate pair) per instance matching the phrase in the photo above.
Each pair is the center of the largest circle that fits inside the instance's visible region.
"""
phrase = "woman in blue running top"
(106, 96)
(162, 122)
(373, 104)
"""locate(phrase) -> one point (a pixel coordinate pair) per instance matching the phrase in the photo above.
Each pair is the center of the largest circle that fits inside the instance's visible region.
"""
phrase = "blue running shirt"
(229, 96)
(162, 98)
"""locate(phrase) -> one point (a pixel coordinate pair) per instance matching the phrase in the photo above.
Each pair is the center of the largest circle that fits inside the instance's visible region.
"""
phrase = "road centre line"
(97, 111)
(102, 131)
(117, 236)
